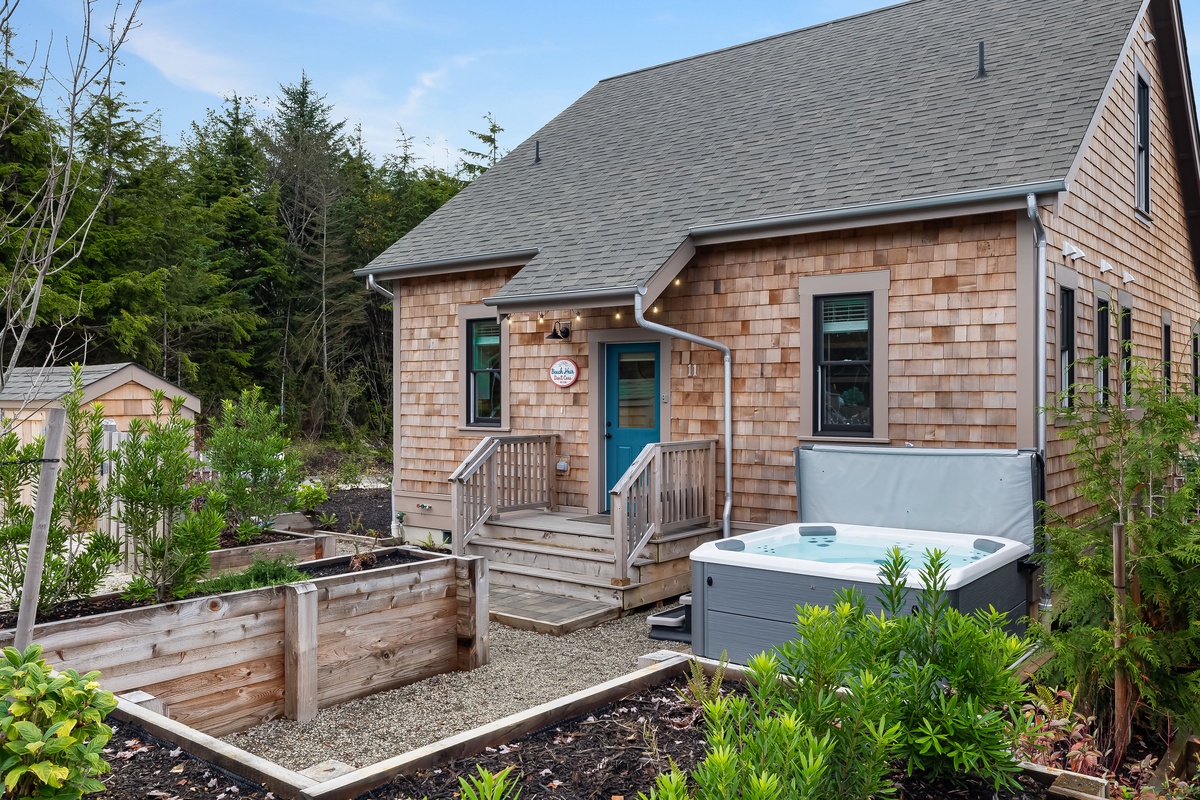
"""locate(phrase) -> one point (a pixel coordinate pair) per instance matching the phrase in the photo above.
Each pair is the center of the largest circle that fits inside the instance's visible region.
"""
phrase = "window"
(1142, 122)
(1103, 355)
(1126, 355)
(1166, 356)
(1066, 346)
(1196, 362)
(844, 359)
(483, 371)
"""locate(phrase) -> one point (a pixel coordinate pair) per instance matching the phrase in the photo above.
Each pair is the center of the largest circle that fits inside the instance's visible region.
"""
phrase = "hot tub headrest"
(730, 544)
(983, 492)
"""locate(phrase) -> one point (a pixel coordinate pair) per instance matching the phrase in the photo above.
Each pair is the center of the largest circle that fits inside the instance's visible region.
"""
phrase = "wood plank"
(200, 684)
(386, 579)
(283, 782)
(232, 710)
(117, 625)
(472, 613)
(136, 674)
(499, 732)
(351, 606)
(385, 631)
(235, 558)
(388, 669)
(300, 652)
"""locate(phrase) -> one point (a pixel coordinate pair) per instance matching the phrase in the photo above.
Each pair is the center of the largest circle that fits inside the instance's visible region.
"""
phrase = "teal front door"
(631, 404)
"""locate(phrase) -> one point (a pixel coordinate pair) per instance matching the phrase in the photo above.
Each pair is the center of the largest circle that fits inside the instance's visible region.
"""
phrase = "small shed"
(125, 390)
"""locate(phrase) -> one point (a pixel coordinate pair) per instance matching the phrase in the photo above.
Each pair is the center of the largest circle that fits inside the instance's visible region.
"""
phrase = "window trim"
(876, 283)
(466, 315)
(1142, 137)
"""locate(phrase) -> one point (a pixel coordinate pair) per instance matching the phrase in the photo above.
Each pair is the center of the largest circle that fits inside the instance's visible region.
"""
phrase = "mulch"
(365, 512)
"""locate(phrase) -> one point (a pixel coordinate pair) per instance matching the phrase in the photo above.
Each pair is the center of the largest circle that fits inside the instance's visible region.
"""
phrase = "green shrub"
(311, 495)
(256, 473)
(152, 478)
(53, 725)
(260, 574)
(489, 785)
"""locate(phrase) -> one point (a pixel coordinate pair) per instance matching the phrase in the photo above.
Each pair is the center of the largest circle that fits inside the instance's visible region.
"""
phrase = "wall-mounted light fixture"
(541, 317)
(560, 333)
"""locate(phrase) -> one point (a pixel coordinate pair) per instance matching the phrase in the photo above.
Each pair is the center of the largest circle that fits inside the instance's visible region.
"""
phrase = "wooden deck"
(555, 572)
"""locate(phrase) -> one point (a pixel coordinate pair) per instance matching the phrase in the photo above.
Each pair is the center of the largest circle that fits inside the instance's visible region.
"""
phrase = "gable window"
(1126, 365)
(844, 364)
(1066, 346)
(1103, 354)
(1142, 123)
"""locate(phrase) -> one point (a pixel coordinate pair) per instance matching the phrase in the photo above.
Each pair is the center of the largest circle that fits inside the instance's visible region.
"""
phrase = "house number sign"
(564, 372)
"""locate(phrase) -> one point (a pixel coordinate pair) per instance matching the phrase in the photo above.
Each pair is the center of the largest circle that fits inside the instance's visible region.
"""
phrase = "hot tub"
(745, 589)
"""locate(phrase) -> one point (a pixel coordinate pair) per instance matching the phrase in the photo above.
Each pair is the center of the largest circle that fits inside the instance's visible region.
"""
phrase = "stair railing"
(502, 473)
(670, 486)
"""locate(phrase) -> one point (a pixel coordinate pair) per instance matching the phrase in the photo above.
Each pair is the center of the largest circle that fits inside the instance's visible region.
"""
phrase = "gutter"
(589, 298)
(375, 287)
(728, 357)
(758, 225)
(434, 266)
(1039, 232)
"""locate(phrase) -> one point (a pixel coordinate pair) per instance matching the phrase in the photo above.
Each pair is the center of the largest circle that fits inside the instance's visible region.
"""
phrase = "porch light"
(618, 315)
(560, 333)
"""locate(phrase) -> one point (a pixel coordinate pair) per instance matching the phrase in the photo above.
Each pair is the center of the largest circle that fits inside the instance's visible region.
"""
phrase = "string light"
(618, 315)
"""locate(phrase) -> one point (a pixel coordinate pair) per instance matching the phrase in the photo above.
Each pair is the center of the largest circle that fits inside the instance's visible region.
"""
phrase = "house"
(124, 390)
(904, 226)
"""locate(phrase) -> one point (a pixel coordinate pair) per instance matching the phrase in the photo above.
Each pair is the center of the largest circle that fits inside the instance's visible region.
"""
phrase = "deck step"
(546, 613)
(564, 584)
(549, 557)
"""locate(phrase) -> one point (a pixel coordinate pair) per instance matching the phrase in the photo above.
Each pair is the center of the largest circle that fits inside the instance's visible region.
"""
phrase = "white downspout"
(700, 340)
(395, 528)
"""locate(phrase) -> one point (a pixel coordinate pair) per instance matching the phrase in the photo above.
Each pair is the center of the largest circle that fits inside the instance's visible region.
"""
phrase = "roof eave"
(977, 201)
(443, 266)
(546, 301)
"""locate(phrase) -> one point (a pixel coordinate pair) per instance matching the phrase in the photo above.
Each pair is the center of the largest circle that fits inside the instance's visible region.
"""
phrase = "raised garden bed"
(290, 545)
(226, 662)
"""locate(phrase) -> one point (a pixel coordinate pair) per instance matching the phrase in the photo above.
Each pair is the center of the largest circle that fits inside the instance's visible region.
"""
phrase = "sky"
(434, 67)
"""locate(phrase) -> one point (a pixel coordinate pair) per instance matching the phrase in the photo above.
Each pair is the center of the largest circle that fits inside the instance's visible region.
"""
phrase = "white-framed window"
(483, 368)
(844, 348)
(1142, 139)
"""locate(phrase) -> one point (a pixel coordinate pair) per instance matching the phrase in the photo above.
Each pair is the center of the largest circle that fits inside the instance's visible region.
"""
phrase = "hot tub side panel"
(740, 611)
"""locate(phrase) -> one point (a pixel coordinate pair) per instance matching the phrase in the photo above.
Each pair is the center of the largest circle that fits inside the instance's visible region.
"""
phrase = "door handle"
(608, 436)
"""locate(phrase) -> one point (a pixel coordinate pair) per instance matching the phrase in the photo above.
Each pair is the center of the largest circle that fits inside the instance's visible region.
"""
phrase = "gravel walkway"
(525, 670)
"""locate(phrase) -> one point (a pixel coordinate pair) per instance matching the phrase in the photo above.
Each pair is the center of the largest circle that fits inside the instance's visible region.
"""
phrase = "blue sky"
(433, 67)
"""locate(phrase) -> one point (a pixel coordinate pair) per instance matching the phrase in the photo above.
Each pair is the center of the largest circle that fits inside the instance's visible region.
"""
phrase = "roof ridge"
(738, 46)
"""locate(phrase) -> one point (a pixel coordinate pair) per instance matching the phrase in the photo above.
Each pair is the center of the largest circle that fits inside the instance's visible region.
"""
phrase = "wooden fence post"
(300, 651)
(43, 510)
(472, 617)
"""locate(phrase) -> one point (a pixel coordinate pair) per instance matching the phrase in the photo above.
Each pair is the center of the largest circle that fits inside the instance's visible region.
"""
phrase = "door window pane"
(843, 397)
(636, 384)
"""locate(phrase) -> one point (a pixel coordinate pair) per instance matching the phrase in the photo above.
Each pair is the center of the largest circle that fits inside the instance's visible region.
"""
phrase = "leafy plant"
(327, 519)
(1123, 573)
(489, 786)
(256, 473)
(311, 495)
(53, 725)
(261, 573)
(700, 690)
(152, 472)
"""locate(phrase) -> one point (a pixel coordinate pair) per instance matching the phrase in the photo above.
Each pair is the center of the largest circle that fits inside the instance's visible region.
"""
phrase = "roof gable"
(876, 108)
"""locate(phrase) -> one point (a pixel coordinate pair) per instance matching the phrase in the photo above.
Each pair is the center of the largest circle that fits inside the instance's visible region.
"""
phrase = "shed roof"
(880, 107)
(43, 384)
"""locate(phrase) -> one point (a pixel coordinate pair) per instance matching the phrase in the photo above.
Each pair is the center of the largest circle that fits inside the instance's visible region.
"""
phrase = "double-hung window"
(1103, 354)
(1142, 125)
(844, 361)
(1066, 346)
(1126, 356)
(484, 396)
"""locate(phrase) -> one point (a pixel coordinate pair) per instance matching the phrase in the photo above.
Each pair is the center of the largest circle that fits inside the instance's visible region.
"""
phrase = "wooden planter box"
(300, 548)
(226, 662)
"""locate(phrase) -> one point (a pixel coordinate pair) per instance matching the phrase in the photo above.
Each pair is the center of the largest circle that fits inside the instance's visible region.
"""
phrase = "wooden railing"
(669, 486)
(501, 474)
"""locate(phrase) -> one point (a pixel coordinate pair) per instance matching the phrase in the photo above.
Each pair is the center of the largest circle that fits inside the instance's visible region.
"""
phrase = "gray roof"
(51, 383)
(883, 106)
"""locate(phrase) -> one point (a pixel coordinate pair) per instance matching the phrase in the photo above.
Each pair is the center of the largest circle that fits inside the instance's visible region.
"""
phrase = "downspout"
(375, 287)
(1039, 233)
(1045, 605)
(700, 340)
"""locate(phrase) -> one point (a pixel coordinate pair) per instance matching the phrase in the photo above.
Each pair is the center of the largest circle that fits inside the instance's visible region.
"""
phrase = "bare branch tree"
(39, 230)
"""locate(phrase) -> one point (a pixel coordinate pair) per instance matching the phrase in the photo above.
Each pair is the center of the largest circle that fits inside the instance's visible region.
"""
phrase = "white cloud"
(185, 64)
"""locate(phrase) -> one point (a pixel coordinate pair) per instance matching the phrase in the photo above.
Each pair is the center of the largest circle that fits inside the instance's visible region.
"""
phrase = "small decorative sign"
(564, 372)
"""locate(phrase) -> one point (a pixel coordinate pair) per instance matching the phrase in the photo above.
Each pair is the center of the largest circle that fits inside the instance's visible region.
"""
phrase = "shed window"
(1143, 144)
(483, 372)
(1066, 346)
(1103, 354)
(844, 364)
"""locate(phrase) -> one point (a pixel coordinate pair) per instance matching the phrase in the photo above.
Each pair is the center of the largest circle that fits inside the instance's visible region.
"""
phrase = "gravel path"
(525, 670)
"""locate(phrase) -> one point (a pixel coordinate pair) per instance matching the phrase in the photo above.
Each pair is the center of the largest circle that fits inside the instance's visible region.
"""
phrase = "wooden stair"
(534, 558)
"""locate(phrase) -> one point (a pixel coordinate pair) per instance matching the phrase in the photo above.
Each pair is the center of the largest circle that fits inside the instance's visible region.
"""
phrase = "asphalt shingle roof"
(878, 107)
(51, 383)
